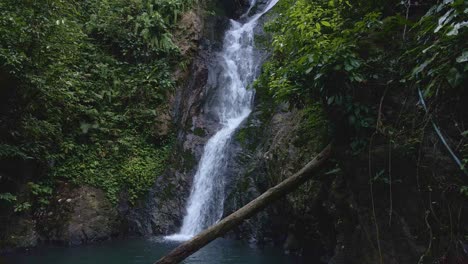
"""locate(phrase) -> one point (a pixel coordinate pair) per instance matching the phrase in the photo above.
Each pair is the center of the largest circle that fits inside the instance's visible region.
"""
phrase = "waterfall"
(238, 63)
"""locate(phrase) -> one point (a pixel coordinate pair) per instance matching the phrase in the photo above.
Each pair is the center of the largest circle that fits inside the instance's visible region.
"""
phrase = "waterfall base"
(178, 237)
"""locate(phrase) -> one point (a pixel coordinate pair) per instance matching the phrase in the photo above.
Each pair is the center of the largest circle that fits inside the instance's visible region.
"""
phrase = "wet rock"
(163, 122)
(292, 243)
(21, 235)
(162, 210)
(274, 146)
(189, 32)
(76, 216)
(93, 217)
(85, 216)
(160, 213)
(235, 8)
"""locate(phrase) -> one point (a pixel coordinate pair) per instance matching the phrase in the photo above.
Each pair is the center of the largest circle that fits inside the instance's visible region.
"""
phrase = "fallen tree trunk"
(290, 184)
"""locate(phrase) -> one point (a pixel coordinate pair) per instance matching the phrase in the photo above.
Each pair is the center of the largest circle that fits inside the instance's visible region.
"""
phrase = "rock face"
(21, 235)
(189, 32)
(162, 211)
(234, 8)
(93, 217)
(75, 216)
(274, 146)
(79, 216)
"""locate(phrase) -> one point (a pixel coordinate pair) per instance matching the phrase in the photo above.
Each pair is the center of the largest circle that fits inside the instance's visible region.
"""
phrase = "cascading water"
(239, 64)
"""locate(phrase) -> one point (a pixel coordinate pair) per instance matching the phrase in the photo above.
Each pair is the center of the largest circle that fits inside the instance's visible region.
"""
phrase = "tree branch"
(285, 187)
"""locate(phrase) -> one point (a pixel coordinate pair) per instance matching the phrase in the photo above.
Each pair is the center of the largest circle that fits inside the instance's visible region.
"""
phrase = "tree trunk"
(285, 187)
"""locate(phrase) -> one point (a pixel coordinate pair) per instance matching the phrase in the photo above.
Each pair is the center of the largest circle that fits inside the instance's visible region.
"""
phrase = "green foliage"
(464, 150)
(128, 164)
(343, 53)
(8, 197)
(22, 207)
(88, 81)
(441, 50)
(314, 127)
(311, 45)
(198, 131)
(316, 58)
(11, 151)
(364, 61)
(41, 192)
(136, 29)
(464, 191)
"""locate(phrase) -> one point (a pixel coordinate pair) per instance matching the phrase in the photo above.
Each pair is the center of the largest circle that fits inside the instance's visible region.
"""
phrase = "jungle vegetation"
(82, 85)
(84, 82)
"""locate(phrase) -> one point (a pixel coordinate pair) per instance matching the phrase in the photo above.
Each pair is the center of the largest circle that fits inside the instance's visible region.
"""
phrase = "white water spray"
(206, 202)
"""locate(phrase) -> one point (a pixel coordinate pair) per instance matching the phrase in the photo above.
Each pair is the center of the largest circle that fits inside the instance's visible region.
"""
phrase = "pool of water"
(147, 251)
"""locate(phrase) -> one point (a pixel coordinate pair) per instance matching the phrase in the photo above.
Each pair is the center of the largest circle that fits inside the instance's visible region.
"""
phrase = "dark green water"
(147, 251)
